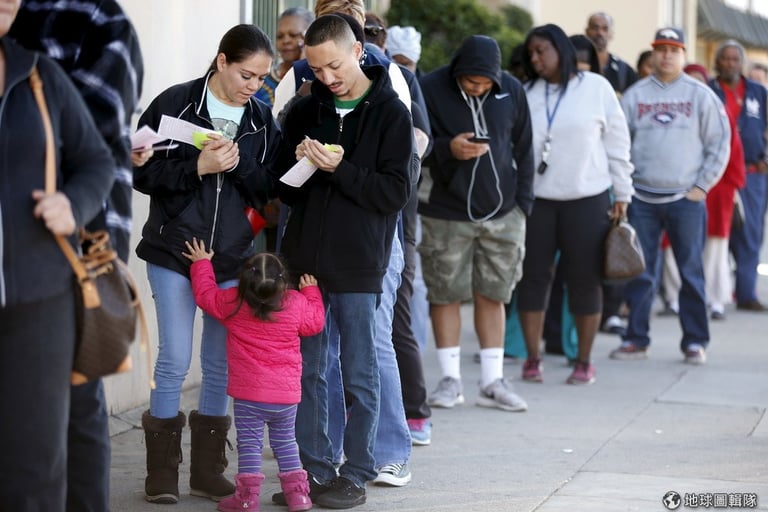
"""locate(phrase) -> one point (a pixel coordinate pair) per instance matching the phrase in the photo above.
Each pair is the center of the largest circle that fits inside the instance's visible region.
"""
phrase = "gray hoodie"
(680, 135)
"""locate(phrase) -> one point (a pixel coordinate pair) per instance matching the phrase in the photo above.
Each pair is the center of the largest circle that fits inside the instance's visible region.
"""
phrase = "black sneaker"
(343, 493)
(315, 490)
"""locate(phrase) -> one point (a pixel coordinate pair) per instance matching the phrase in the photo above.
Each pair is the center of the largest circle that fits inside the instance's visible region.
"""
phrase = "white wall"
(179, 39)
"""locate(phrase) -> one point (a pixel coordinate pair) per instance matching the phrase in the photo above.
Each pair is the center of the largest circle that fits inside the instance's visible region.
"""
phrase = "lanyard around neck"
(551, 115)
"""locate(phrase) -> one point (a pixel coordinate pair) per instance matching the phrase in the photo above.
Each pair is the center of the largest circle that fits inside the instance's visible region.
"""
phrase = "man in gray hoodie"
(680, 147)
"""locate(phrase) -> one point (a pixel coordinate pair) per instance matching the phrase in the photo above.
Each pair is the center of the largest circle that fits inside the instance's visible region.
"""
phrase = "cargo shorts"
(459, 258)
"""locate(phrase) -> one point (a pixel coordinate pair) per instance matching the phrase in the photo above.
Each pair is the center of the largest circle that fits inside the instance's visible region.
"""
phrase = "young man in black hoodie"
(476, 190)
(341, 228)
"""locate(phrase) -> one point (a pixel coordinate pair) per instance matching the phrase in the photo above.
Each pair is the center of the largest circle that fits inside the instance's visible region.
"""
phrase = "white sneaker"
(447, 394)
(695, 354)
(395, 475)
(499, 394)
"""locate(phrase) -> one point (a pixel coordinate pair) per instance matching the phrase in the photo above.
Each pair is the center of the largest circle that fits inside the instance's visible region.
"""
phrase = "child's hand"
(307, 280)
(197, 251)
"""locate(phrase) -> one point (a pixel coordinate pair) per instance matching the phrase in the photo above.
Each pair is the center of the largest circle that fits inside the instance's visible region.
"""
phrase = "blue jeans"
(393, 443)
(176, 310)
(337, 405)
(747, 241)
(393, 440)
(685, 222)
(419, 303)
(354, 315)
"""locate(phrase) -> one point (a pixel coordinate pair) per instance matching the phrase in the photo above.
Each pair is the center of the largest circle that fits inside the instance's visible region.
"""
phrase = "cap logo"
(668, 34)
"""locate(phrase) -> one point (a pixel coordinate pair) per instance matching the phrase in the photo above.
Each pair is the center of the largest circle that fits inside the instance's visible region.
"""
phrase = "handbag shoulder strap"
(90, 293)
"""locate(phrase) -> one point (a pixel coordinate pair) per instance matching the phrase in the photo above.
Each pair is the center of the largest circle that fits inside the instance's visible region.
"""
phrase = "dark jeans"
(406, 346)
(746, 242)
(89, 449)
(36, 349)
(354, 316)
(613, 298)
(685, 223)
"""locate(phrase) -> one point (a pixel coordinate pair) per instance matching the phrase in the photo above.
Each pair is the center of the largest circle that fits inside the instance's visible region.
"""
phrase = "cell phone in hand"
(480, 139)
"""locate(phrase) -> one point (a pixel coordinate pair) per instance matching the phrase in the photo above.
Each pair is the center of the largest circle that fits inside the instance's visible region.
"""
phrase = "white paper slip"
(299, 173)
(145, 137)
(180, 130)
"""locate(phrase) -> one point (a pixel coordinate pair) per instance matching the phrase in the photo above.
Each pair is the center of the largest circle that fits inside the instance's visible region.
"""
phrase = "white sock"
(491, 365)
(450, 361)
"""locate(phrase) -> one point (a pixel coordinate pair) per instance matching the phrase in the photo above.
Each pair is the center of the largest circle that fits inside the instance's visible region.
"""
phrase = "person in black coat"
(37, 295)
(357, 132)
(202, 193)
(95, 43)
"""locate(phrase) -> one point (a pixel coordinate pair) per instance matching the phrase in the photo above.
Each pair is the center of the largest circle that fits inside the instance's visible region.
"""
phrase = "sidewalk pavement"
(643, 429)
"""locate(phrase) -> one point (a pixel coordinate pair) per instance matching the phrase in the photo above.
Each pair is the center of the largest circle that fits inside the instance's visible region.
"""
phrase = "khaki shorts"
(460, 258)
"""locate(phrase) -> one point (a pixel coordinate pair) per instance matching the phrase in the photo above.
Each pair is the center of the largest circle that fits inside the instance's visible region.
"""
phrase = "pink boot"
(296, 490)
(246, 497)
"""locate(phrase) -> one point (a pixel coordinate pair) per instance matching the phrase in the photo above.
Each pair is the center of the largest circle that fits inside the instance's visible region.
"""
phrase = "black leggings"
(577, 230)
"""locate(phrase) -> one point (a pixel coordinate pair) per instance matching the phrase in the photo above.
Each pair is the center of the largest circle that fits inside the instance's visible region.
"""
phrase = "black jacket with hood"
(342, 223)
(212, 207)
(493, 184)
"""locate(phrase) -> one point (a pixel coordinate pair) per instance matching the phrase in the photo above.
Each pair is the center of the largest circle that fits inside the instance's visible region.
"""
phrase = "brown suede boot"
(246, 495)
(296, 490)
(162, 438)
(208, 460)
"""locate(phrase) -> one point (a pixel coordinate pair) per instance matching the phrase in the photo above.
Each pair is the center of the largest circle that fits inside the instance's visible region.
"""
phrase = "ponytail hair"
(262, 285)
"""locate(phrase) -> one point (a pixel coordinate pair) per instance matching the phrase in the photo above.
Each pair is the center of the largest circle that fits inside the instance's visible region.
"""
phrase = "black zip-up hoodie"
(342, 223)
(212, 208)
(509, 125)
(32, 266)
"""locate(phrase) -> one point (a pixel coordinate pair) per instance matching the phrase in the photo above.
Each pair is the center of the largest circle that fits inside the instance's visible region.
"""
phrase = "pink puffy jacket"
(264, 358)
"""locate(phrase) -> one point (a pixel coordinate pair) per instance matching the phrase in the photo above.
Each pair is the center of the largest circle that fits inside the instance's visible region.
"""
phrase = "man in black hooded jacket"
(476, 191)
(358, 134)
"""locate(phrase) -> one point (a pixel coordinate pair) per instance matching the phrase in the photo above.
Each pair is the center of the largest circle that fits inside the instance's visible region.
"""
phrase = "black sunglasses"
(373, 30)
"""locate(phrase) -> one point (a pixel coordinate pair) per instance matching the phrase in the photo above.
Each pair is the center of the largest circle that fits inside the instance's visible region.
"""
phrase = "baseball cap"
(670, 36)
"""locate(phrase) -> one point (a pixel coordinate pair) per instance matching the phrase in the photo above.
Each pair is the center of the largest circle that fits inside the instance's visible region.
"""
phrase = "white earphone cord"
(481, 128)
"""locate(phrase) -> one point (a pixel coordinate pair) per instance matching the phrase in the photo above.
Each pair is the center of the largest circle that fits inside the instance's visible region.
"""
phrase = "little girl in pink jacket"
(264, 320)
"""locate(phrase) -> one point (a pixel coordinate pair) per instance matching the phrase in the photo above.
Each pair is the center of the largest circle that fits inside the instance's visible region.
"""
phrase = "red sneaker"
(532, 370)
(583, 373)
